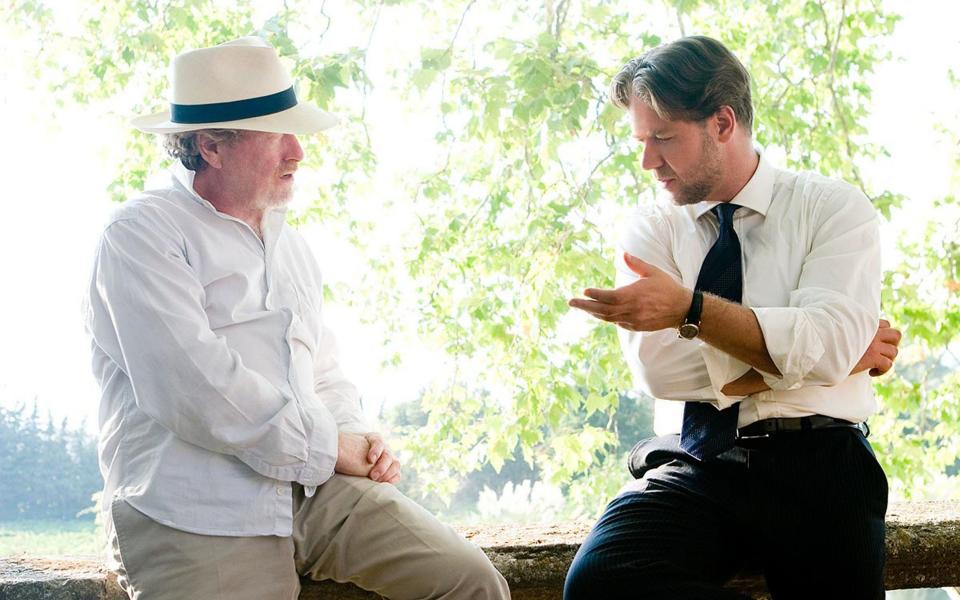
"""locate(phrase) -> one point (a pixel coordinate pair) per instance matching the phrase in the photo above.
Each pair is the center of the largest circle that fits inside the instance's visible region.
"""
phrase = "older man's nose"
(294, 149)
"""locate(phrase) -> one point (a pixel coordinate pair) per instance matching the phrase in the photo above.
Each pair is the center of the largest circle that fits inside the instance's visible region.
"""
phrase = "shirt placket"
(272, 227)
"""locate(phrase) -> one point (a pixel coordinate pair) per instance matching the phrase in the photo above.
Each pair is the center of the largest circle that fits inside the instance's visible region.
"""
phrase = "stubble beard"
(281, 198)
(710, 172)
(271, 200)
(284, 195)
(277, 197)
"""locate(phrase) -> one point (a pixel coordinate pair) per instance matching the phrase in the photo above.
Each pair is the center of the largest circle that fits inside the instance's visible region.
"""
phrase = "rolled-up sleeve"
(663, 365)
(185, 376)
(832, 315)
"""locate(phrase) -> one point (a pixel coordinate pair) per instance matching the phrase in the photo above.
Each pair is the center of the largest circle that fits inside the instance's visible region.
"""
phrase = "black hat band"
(218, 112)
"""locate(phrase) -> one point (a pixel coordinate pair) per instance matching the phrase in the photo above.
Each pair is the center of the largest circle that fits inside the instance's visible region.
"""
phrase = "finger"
(889, 350)
(587, 306)
(884, 323)
(884, 364)
(392, 472)
(898, 335)
(395, 480)
(614, 319)
(382, 466)
(889, 336)
(636, 265)
(376, 448)
(605, 296)
(597, 309)
(582, 304)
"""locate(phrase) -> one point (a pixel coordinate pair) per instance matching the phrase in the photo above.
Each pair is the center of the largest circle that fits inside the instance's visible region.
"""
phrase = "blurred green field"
(50, 538)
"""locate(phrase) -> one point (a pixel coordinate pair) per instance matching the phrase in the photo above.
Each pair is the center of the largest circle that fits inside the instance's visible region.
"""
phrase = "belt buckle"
(768, 431)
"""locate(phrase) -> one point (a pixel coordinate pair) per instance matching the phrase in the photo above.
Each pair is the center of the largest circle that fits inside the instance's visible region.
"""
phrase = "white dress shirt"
(811, 274)
(220, 384)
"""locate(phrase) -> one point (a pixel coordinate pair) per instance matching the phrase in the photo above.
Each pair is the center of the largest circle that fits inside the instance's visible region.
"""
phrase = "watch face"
(689, 331)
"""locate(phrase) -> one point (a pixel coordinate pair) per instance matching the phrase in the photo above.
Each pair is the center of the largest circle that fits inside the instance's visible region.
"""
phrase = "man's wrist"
(689, 297)
(689, 326)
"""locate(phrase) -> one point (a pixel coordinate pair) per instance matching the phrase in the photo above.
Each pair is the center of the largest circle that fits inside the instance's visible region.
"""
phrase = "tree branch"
(323, 6)
(560, 17)
(365, 88)
(449, 52)
(835, 99)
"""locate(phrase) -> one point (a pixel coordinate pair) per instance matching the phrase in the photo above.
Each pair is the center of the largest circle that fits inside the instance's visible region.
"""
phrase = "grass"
(50, 538)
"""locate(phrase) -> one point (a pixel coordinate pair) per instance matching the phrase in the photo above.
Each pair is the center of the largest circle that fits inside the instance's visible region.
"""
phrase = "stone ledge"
(923, 551)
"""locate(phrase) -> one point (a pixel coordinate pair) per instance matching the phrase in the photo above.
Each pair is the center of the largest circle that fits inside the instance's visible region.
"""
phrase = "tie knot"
(724, 214)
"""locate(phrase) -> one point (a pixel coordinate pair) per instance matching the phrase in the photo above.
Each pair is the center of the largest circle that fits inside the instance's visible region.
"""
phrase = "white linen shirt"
(220, 384)
(811, 274)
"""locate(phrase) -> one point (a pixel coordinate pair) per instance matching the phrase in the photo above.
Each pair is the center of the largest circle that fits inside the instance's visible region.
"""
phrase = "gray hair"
(184, 145)
(688, 79)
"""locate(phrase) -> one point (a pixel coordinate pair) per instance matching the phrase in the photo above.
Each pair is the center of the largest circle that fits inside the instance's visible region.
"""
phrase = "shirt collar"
(184, 177)
(755, 195)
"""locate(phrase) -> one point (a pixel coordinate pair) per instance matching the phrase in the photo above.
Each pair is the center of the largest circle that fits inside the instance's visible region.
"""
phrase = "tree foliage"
(523, 173)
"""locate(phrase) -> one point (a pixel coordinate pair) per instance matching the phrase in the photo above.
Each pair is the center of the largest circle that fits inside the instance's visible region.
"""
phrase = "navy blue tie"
(706, 431)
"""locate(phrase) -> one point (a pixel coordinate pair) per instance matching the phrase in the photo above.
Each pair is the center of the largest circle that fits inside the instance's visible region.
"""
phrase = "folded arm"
(877, 360)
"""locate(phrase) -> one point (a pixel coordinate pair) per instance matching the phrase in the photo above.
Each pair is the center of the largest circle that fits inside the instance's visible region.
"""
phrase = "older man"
(745, 308)
(235, 454)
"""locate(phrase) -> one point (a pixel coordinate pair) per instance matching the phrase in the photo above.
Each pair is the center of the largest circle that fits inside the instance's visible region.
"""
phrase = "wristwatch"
(691, 325)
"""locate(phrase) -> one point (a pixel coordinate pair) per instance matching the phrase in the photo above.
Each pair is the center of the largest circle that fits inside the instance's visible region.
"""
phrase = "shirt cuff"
(722, 369)
(792, 343)
(322, 450)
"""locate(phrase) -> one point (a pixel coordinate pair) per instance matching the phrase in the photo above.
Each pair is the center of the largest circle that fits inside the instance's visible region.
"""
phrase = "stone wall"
(923, 551)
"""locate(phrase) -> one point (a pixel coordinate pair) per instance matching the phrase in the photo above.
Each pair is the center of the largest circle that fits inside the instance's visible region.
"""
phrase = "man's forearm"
(734, 329)
(750, 382)
(877, 360)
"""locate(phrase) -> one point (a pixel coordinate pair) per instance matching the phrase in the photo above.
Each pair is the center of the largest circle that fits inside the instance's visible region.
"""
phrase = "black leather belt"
(769, 427)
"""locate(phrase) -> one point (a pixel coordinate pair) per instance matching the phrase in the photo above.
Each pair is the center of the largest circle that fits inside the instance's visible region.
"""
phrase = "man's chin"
(689, 195)
(281, 200)
(683, 199)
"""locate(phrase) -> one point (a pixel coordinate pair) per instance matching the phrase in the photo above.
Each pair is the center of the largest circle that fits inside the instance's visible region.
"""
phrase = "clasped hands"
(657, 301)
(366, 455)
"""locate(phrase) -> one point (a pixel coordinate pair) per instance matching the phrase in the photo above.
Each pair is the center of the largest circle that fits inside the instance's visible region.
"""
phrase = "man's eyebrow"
(654, 133)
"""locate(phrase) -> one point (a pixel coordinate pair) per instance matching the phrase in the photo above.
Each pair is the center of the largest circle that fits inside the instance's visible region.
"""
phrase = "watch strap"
(696, 307)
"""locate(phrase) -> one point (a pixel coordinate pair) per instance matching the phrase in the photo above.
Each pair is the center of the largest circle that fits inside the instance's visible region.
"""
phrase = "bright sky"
(56, 170)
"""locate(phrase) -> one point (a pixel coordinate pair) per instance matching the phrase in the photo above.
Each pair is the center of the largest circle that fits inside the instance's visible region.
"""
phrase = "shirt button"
(279, 491)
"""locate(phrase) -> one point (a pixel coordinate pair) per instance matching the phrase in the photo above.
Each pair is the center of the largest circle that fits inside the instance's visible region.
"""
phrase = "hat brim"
(300, 119)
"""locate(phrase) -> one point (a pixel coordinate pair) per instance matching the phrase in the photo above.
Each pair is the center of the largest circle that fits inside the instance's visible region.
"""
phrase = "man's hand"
(366, 455)
(882, 351)
(352, 454)
(386, 467)
(653, 302)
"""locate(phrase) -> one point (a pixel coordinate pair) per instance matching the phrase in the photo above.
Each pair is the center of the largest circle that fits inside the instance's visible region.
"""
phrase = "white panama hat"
(240, 84)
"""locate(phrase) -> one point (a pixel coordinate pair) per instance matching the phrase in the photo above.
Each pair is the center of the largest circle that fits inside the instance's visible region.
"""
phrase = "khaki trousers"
(353, 529)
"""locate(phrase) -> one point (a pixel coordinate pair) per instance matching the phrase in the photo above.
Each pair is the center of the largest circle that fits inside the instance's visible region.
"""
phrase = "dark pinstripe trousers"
(806, 508)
